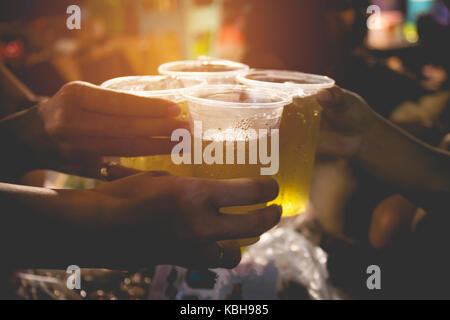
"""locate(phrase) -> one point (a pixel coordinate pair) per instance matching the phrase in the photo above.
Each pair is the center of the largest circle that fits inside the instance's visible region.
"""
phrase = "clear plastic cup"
(214, 71)
(234, 121)
(299, 132)
(296, 83)
(164, 87)
(231, 127)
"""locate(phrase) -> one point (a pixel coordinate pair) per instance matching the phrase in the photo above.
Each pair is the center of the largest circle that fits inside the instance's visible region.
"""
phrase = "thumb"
(331, 98)
(344, 111)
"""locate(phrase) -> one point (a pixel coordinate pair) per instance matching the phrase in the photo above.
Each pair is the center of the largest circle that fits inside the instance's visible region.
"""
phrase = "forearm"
(419, 171)
(39, 228)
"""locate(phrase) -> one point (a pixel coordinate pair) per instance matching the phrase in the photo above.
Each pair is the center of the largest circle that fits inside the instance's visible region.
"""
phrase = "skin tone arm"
(138, 221)
(71, 131)
(174, 220)
(420, 172)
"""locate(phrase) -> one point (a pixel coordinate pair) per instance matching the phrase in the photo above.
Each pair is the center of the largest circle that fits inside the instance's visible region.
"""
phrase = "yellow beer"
(235, 121)
(242, 120)
(161, 162)
(235, 170)
(299, 131)
(232, 171)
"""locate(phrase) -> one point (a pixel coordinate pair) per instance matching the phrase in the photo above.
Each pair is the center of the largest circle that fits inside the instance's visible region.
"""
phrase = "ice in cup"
(164, 87)
(299, 132)
(214, 71)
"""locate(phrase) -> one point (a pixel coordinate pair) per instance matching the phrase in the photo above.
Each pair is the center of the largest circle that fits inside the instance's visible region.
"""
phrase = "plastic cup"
(299, 132)
(214, 71)
(165, 87)
(295, 83)
(230, 125)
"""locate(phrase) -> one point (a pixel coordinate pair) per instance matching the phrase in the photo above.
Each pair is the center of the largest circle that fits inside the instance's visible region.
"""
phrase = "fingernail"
(173, 110)
(325, 96)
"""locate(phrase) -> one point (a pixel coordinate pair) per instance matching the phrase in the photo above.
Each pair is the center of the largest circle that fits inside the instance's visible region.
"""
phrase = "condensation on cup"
(299, 132)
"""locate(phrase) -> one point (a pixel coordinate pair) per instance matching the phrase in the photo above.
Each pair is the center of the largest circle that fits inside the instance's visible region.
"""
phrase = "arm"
(420, 172)
(71, 131)
(36, 230)
(138, 221)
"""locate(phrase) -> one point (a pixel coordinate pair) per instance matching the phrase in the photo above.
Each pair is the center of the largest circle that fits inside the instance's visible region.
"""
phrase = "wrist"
(402, 160)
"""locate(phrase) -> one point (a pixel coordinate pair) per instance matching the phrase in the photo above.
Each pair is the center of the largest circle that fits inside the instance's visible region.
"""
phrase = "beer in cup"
(299, 132)
(235, 132)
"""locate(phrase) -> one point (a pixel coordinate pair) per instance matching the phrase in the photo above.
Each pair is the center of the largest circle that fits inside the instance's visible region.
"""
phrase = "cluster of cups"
(223, 91)
(230, 98)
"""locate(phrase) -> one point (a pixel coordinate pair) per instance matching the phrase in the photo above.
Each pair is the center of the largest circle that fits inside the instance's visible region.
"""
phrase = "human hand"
(344, 127)
(390, 163)
(83, 122)
(142, 220)
(346, 118)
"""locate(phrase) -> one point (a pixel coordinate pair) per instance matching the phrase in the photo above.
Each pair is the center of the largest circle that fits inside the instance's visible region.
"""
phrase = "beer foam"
(230, 134)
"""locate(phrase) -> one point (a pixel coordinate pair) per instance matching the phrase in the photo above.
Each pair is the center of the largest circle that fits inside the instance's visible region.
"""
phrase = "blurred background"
(394, 53)
(388, 56)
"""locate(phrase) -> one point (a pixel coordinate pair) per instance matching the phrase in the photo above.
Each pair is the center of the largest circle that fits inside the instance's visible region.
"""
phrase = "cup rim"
(165, 68)
(323, 81)
(156, 93)
(285, 98)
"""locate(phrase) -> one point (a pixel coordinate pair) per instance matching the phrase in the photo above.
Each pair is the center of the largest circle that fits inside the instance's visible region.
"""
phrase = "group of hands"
(143, 218)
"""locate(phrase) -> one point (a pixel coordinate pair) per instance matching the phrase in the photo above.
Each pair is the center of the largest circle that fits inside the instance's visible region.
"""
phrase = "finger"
(241, 192)
(95, 167)
(331, 97)
(223, 255)
(242, 242)
(246, 225)
(106, 101)
(200, 256)
(99, 125)
(85, 165)
(344, 111)
(111, 171)
(391, 220)
(124, 147)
